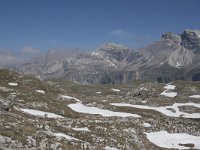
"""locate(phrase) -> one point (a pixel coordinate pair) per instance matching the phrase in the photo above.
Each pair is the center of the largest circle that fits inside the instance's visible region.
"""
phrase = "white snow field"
(194, 96)
(13, 84)
(167, 92)
(81, 129)
(40, 91)
(70, 97)
(169, 87)
(115, 90)
(98, 92)
(166, 109)
(146, 125)
(110, 148)
(41, 113)
(144, 102)
(173, 140)
(70, 138)
(78, 107)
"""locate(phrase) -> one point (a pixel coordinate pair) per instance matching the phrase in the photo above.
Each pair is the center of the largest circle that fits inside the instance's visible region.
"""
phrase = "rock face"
(191, 40)
(172, 57)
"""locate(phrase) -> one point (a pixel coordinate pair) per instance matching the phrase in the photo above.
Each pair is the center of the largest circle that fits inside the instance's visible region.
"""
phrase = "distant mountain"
(173, 57)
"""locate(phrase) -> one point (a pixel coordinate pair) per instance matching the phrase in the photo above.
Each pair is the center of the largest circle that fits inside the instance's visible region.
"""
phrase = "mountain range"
(173, 57)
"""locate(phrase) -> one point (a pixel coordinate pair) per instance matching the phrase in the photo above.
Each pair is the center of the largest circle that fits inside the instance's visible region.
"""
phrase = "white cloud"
(13, 58)
(30, 50)
(5, 58)
(8, 58)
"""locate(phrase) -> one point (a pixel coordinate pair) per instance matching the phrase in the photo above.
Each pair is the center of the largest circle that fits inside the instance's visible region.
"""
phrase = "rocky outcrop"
(191, 40)
(4, 105)
(181, 57)
(112, 51)
(171, 40)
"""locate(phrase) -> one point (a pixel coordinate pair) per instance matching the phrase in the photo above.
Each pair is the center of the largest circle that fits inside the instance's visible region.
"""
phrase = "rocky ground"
(58, 114)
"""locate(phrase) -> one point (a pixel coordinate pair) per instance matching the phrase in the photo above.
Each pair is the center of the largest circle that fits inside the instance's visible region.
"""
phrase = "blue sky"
(86, 24)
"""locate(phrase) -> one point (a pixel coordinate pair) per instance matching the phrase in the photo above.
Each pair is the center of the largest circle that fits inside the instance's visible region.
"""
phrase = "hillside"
(59, 114)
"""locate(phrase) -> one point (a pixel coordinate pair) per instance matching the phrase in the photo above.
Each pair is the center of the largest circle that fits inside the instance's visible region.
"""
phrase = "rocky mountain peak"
(113, 46)
(192, 33)
(191, 40)
(171, 36)
(112, 51)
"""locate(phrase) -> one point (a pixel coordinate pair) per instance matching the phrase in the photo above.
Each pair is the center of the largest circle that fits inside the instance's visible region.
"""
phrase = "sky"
(34, 26)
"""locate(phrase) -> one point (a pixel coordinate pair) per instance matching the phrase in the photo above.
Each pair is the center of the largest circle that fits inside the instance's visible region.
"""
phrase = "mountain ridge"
(173, 57)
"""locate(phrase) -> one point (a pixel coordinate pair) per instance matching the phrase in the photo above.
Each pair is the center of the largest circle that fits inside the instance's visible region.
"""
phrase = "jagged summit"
(112, 51)
(113, 46)
(171, 38)
(190, 32)
(191, 40)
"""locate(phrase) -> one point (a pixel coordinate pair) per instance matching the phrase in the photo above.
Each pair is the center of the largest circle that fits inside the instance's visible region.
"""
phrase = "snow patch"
(78, 107)
(104, 100)
(13, 84)
(115, 90)
(40, 91)
(98, 92)
(173, 140)
(194, 96)
(169, 87)
(146, 125)
(110, 148)
(178, 65)
(70, 138)
(40, 113)
(112, 64)
(166, 109)
(169, 94)
(97, 54)
(70, 98)
(162, 63)
(81, 129)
